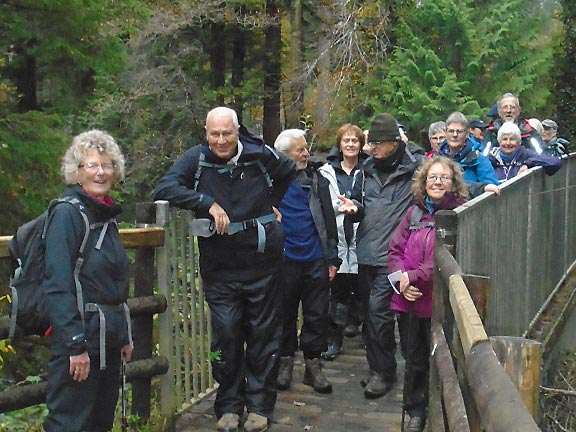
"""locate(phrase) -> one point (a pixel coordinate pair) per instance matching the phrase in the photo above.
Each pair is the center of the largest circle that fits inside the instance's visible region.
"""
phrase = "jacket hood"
(252, 147)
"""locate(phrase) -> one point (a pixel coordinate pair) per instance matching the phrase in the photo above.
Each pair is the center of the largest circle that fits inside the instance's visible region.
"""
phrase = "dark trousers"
(305, 282)
(82, 406)
(343, 307)
(415, 346)
(246, 335)
(376, 295)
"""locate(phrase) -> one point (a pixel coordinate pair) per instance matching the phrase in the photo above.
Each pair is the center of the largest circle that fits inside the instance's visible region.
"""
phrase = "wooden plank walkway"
(302, 409)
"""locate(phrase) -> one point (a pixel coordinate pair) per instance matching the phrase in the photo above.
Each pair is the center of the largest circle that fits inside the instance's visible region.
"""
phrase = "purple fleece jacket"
(412, 251)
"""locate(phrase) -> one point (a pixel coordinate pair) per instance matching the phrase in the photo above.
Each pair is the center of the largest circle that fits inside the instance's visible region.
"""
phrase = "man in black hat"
(381, 193)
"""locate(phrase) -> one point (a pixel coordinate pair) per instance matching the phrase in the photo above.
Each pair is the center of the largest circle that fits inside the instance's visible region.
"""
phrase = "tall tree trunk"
(24, 76)
(272, 74)
(217, 59)
(295, 103)
(566, 79)
(238, 62)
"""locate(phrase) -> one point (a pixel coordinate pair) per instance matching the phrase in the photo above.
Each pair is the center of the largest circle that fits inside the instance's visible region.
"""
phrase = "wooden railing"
(143, 305)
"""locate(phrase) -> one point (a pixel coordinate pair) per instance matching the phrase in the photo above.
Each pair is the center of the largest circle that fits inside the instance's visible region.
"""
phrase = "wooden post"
(165, 322)
(522, 360)
(142, 330)
(499, 403)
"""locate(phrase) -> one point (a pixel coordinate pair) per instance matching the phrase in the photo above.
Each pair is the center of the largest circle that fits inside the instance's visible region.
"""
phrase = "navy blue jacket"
(507, 170)
(104, 277)
(244, 194)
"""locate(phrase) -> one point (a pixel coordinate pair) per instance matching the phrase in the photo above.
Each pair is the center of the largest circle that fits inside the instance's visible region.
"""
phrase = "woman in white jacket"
(343, 162)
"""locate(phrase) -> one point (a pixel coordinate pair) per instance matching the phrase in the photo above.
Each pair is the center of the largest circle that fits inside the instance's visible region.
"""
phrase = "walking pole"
(124, 397)
(410, 319)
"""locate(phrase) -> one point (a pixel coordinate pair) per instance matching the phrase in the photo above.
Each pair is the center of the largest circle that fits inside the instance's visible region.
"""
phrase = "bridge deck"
(302, 409)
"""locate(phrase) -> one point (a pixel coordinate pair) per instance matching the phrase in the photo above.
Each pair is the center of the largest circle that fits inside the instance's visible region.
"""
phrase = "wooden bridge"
(523, 244)
(301, 408)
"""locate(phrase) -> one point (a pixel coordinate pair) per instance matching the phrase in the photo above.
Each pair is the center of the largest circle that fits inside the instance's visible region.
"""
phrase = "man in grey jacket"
(382, 192)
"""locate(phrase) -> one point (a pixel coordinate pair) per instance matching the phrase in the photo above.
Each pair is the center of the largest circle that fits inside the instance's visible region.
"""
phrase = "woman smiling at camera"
(84, 369)
(438, 185)
(478, 171)
(511, 158)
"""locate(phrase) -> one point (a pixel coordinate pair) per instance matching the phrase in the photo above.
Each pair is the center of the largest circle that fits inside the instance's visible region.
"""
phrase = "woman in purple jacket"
(438, 185)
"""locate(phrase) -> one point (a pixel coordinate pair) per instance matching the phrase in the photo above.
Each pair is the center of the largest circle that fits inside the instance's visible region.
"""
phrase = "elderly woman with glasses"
(478, 171)
(436, 136)
(89, 338)
(437, 185)
(511, 158)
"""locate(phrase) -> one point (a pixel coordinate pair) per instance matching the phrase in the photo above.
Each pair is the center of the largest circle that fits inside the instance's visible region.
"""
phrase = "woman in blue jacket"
(478, 171)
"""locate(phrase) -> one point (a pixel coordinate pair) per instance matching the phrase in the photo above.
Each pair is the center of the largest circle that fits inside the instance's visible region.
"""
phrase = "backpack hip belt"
(207, 228)
(100, 308)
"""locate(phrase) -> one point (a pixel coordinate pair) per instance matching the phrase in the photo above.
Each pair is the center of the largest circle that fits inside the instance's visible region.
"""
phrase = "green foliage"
(31, 147)
(25, 420)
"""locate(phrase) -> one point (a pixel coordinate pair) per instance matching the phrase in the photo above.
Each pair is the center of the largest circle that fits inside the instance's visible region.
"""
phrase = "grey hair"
(536, 124)
(510, 128)
(284, 140)
(506, 96)
(457, 117)
(92, 139)
(436, 127)
(223, 112)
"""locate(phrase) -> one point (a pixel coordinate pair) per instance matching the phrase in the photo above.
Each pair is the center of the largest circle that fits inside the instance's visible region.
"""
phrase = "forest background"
(147, 71)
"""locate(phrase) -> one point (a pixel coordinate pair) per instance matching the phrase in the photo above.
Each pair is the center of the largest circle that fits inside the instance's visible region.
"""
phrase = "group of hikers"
(349, 239)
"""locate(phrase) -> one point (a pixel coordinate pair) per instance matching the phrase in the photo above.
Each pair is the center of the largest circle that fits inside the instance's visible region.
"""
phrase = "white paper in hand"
(394, 279)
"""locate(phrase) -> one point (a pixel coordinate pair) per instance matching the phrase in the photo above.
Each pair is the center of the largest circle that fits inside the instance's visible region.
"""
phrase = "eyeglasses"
(440, 138)
(435, 178)
(93, 167)
(455, 131)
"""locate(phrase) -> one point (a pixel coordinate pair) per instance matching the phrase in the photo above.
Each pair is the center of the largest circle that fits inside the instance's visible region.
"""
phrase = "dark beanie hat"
(383, 128)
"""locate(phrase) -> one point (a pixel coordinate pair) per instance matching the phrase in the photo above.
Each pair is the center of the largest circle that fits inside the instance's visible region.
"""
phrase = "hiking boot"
(377, 386)
(351, 331)
(285, 373)
(366, 378)
(416, 424)
(313, 376)
(332, 351)
(228, 423)
(256, 423)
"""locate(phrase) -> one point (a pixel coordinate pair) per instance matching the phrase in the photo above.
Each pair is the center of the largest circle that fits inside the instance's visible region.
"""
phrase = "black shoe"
(285, 373)
(351, 331)
(332, 351)
(366, 378)
(313, 376)
(416, 424)
(377, 386)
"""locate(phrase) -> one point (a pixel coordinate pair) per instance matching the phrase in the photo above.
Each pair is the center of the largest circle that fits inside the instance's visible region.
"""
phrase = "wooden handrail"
(131, 237)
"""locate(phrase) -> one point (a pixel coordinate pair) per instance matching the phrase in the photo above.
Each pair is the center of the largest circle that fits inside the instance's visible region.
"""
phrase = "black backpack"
(27, 248)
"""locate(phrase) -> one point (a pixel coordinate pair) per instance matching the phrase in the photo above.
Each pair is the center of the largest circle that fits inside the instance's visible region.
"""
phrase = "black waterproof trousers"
(376, 294)
(82, 406)
(246, 337)
(306, 282)
(415, 346)
(343, 307)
